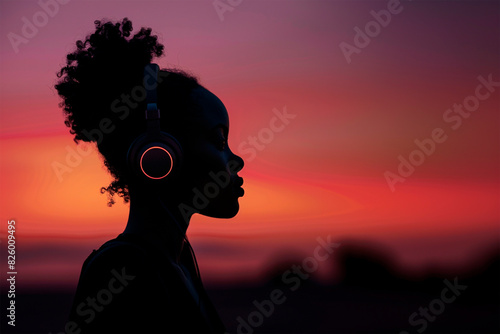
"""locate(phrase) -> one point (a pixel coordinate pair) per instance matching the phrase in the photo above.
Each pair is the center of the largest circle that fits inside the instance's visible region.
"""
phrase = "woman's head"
(103, 99)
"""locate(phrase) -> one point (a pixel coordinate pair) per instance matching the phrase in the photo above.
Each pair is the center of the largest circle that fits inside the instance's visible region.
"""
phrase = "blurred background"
(365, 85)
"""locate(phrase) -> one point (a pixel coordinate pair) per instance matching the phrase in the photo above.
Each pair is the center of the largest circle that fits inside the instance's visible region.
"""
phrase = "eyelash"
(220, 141)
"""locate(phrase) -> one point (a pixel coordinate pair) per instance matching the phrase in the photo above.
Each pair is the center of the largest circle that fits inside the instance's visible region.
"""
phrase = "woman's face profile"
(209, 172)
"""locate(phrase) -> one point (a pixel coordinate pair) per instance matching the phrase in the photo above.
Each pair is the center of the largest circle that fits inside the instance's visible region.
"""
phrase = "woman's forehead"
(210, 109)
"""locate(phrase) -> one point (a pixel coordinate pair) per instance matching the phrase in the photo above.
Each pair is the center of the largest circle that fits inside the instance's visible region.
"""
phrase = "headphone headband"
(152, 111)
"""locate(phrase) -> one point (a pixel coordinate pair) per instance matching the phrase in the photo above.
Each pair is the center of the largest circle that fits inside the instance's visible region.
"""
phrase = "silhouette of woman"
(147, 280)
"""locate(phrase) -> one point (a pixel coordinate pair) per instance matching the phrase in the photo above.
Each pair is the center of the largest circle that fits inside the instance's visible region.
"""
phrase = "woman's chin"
(222, 211)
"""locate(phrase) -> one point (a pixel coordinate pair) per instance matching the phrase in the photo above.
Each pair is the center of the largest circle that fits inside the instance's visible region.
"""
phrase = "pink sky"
(323, 174)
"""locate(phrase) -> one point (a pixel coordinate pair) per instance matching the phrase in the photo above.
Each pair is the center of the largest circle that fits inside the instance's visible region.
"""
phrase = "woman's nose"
(238, 163)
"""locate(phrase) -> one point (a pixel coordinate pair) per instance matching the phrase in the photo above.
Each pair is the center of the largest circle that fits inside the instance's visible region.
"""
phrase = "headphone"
(155, 155)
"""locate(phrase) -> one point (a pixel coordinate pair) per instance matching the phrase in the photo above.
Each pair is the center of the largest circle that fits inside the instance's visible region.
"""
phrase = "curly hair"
(95, 87)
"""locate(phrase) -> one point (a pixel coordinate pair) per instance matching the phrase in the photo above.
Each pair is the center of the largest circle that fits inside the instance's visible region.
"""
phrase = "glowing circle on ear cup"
(156, 162)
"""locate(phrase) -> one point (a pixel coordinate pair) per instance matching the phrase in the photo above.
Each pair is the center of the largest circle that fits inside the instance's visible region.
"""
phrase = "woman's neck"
(159, 223)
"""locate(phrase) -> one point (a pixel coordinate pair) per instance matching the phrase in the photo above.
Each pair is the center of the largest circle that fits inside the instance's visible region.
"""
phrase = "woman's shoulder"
(120, 251)
(131, 261)
(127, 286)
(118, 289)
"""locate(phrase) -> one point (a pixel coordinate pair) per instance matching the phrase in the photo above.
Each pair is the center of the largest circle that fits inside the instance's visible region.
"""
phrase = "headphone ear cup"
(155, 158)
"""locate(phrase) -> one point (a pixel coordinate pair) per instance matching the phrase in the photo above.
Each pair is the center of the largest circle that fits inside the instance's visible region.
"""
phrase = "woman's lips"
(238, 182)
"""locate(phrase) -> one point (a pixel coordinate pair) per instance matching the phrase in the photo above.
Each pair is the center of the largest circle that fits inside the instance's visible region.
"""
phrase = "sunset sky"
(324, 173)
